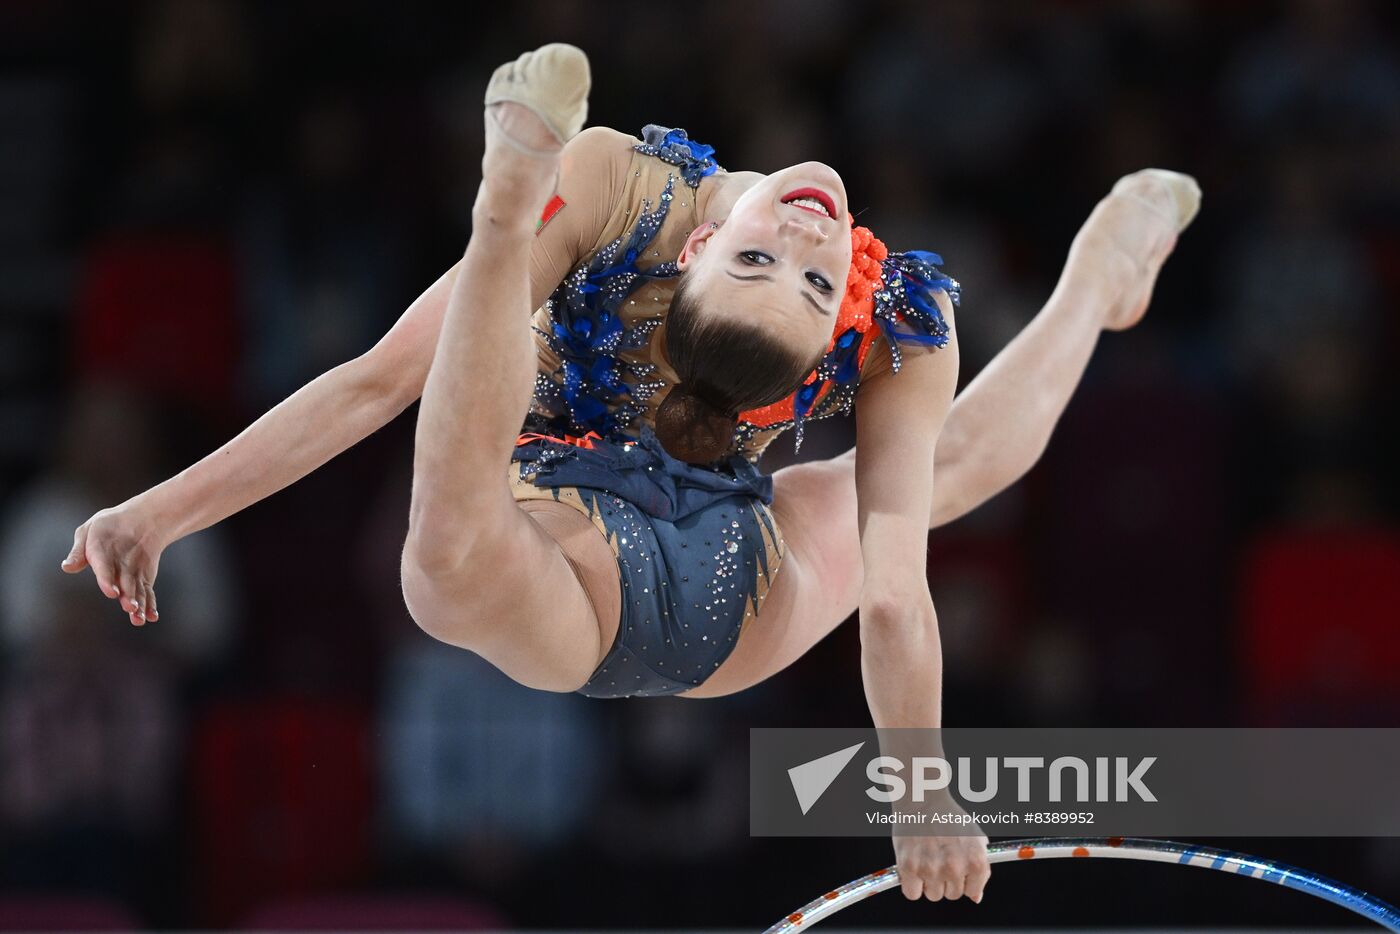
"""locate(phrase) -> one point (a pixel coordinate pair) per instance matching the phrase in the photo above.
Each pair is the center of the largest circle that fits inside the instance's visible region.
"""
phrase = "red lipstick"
(816, 194)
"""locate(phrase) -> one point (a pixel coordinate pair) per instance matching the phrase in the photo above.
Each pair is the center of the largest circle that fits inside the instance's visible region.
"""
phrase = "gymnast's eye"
(756, 258)
(819, 281)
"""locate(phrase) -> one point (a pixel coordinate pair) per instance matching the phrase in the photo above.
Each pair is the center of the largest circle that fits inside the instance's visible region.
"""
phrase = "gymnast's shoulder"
(593, 172)
(600, 145)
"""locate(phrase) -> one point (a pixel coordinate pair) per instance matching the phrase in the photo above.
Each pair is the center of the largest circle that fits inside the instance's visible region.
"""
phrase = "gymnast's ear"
(695, 244)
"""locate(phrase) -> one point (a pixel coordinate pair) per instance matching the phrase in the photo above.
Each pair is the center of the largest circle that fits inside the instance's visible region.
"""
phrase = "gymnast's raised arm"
(123, 544)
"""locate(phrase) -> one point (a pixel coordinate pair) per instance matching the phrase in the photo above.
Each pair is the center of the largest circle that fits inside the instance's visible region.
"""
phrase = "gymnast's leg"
(1000, 423)
(478, 572)
(995, 431)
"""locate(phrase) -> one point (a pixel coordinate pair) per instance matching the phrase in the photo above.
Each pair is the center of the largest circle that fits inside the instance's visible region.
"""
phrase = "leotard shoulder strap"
(695, 160)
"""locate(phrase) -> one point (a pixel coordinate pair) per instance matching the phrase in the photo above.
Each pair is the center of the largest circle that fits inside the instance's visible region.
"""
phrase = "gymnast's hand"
(123, 547)
(942, 867)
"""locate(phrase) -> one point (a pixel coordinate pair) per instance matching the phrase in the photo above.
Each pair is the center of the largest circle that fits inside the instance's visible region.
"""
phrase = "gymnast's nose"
(807, 231)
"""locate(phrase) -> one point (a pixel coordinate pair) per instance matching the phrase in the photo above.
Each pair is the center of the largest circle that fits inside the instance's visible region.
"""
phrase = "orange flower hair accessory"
(864, 278)
(884, 287)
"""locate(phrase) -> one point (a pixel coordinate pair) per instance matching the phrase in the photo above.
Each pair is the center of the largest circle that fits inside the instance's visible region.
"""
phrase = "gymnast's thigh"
(520, 603)
(818, 584)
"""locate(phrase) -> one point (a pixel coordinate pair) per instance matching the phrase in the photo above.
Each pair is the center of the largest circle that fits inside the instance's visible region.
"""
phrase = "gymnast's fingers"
(77, 557)
(102, 569)
(911, 884)
(979, 873)
(952, 876)
(148, 603)
(931, 875)
(142, 600)
(132, 589)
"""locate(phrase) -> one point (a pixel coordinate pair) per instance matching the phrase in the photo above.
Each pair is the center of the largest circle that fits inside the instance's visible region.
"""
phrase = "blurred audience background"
(206, 203)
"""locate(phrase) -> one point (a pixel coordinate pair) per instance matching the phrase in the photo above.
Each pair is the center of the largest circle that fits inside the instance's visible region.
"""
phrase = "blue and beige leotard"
(697, 547)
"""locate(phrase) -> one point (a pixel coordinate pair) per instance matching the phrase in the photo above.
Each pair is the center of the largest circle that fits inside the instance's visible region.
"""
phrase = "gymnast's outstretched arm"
(898, 422)
(339, 408)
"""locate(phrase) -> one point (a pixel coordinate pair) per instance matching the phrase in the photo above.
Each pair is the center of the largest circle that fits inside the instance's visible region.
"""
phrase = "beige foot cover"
(553, 81)
(1184, 190)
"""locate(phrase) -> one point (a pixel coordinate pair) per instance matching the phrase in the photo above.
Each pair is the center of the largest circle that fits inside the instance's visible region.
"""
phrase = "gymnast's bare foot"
(534, 105)
(1128, 237)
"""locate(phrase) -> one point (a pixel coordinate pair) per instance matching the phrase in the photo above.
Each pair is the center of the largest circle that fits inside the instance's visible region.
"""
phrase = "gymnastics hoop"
(1154, 851)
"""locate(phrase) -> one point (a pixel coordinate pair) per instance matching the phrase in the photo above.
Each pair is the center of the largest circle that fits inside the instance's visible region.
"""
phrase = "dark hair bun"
(692, 430)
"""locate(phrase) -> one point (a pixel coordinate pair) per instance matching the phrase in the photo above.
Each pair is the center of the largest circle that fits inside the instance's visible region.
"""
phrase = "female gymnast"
(682, 317)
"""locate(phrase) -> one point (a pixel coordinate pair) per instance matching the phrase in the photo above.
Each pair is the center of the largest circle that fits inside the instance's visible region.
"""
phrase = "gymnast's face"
(780, 258)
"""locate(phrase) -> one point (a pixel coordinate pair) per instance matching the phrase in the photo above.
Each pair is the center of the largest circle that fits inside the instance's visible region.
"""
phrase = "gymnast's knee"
(441, 602)
(452, 583)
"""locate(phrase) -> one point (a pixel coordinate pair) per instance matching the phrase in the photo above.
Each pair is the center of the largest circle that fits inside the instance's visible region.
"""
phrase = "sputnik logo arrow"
(810, 780)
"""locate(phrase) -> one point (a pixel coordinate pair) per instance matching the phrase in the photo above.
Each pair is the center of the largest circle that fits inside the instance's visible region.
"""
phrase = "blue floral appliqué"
(694, 159)
(587, 331)
(911, 279)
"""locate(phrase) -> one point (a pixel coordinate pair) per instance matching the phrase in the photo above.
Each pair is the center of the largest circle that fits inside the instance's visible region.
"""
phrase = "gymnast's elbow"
(898, 639)
(385, 380)
(903, 613)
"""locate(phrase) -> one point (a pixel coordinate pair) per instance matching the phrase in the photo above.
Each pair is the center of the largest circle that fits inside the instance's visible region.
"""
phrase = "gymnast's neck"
(717, 193)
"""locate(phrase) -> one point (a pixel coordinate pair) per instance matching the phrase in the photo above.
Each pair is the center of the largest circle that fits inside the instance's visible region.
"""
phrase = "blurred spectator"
(683, 779)
(481, 770)
(110, 449)
(191, 52)
(1324, 69)
(1296, 277)
(320, 259)
(1132, 501)
(945, 80)
(1304, 330)
(1055, 675)
(979, 588)
(91, 730)
(89, 746)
